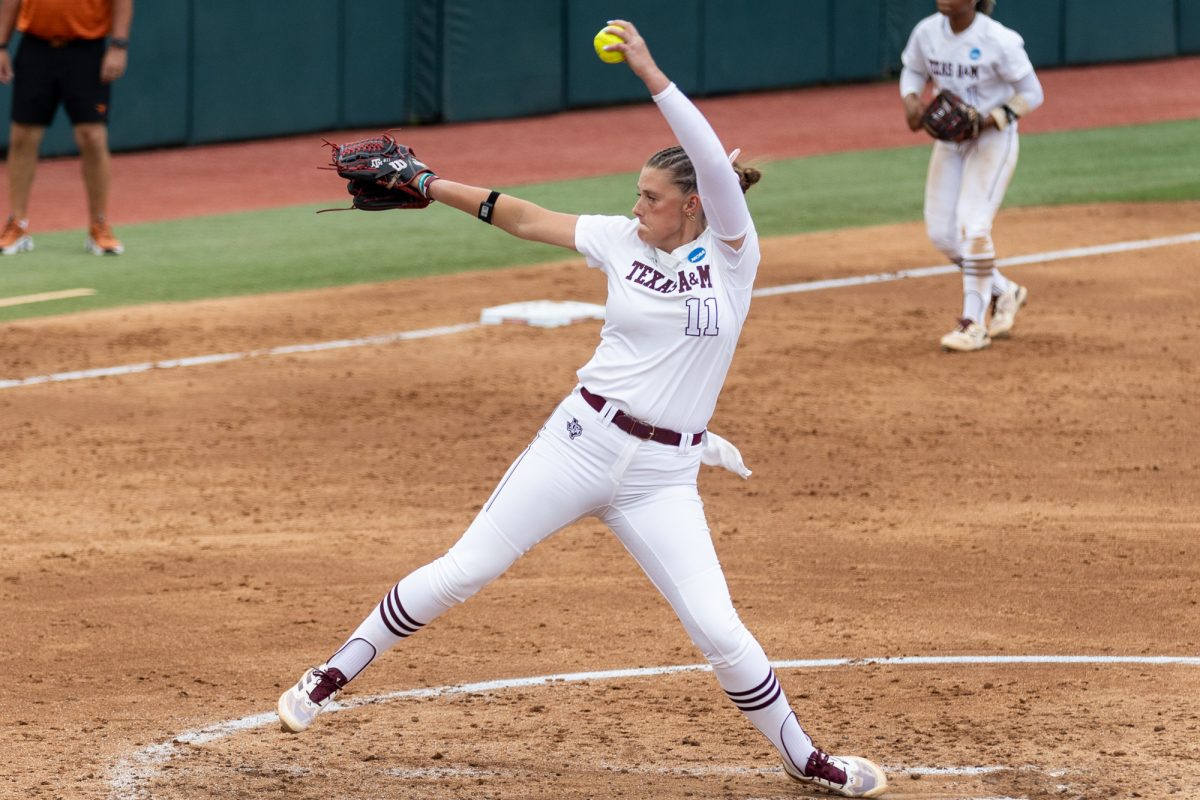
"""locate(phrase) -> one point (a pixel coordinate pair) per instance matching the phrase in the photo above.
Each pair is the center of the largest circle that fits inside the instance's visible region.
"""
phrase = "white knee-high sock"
(481, 555)
(977, 291)
(409, 606)
(752, 686)
(1000, 284)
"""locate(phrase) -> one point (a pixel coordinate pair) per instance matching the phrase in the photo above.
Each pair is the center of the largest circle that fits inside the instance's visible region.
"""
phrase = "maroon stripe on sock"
(388, 623)
(393, 620)
(774, 697)
(756, 690)
(753, 699)
(400, 606)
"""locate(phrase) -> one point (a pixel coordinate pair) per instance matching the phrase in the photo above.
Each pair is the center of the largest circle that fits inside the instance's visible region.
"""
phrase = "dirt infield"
(179, 544)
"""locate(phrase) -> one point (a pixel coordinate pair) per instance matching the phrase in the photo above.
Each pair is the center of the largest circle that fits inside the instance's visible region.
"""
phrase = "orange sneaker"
(15, 238)
(101, 242)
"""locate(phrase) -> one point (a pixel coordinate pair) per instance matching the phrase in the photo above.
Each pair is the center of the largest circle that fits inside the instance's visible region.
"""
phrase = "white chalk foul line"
(42, 297)
(390, 338)
(218, 358)
(943, 269)
(140, 766)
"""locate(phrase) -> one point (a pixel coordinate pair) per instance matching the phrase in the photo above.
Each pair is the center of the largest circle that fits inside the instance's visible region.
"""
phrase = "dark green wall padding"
(204, 71)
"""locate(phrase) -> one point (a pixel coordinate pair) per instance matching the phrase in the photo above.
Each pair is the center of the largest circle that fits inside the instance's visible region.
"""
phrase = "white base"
(542, 313)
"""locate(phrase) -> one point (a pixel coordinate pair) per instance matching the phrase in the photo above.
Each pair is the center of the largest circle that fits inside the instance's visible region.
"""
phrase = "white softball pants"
(964, 188)
(581, 465)
(644, 491)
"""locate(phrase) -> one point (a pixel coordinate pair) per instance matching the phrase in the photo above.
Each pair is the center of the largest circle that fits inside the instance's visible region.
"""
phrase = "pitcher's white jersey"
(980, 65)
(672, 320)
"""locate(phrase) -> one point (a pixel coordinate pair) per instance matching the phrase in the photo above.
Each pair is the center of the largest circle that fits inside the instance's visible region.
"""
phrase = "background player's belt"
(635, 427)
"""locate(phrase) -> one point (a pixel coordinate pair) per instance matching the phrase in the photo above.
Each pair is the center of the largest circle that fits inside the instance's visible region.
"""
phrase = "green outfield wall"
(204, 71)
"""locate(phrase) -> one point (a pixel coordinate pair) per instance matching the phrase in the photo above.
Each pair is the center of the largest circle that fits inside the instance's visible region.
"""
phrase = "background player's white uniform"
(987, 66)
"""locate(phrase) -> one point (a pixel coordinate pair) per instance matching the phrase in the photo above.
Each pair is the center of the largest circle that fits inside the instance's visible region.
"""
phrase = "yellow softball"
(605, 37)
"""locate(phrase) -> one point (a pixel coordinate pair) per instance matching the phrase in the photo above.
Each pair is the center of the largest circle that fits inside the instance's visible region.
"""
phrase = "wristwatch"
(119, 43)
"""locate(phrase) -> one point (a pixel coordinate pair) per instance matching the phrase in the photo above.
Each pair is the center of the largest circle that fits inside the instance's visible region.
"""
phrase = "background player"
(963, 50)
(679, 278)
(63, 59)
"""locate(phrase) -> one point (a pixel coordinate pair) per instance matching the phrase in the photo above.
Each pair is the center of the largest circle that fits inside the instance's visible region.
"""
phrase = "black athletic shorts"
(47, 74)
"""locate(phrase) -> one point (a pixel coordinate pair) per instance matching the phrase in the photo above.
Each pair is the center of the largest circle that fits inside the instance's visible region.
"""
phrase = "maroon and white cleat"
(300, 704)
(849, 776)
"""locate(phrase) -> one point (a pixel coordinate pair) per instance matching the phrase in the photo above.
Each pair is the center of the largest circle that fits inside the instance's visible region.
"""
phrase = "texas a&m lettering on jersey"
(949, 69)
(683, 282)
(671, 320)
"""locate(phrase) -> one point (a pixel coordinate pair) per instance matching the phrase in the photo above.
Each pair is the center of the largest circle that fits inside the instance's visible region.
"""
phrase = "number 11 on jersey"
(702, 319)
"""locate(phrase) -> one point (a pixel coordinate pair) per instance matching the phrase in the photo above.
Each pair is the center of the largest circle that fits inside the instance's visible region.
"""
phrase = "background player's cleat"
(15, 238)
(849, 776)
(1007, 306)
(300, 704)
(966, 337)
(102, 242)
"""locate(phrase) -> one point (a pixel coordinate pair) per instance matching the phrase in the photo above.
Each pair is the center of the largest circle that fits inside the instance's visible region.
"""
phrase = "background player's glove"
(718, 452)
(950, 119)
(382, 174)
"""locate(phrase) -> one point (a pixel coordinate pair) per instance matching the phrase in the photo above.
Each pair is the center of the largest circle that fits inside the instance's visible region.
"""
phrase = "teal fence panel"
(1040, 23)
(501, 59)
(766, 44)
(149, 108)
(1189, 27)
(671, 29)
(376, 79)
(425, 89)
(899, 19)
(219, 70)
(1119, 30)
(265, 68)
(857, 38)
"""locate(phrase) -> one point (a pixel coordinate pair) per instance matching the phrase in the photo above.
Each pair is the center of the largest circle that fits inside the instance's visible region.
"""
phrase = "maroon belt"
(637, 428)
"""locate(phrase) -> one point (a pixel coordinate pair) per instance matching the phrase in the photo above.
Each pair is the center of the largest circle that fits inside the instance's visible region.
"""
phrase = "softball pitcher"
(626, 444)
(963, 50)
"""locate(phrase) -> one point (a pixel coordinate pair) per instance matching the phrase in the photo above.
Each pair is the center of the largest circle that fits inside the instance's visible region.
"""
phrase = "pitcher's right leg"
(546, 488)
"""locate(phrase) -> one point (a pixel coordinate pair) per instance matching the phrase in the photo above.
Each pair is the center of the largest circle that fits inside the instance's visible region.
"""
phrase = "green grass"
(1108, 165)
(294, 248)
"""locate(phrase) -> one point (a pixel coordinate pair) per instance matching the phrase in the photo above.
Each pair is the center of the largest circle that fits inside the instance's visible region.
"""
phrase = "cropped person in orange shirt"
(71, 51)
